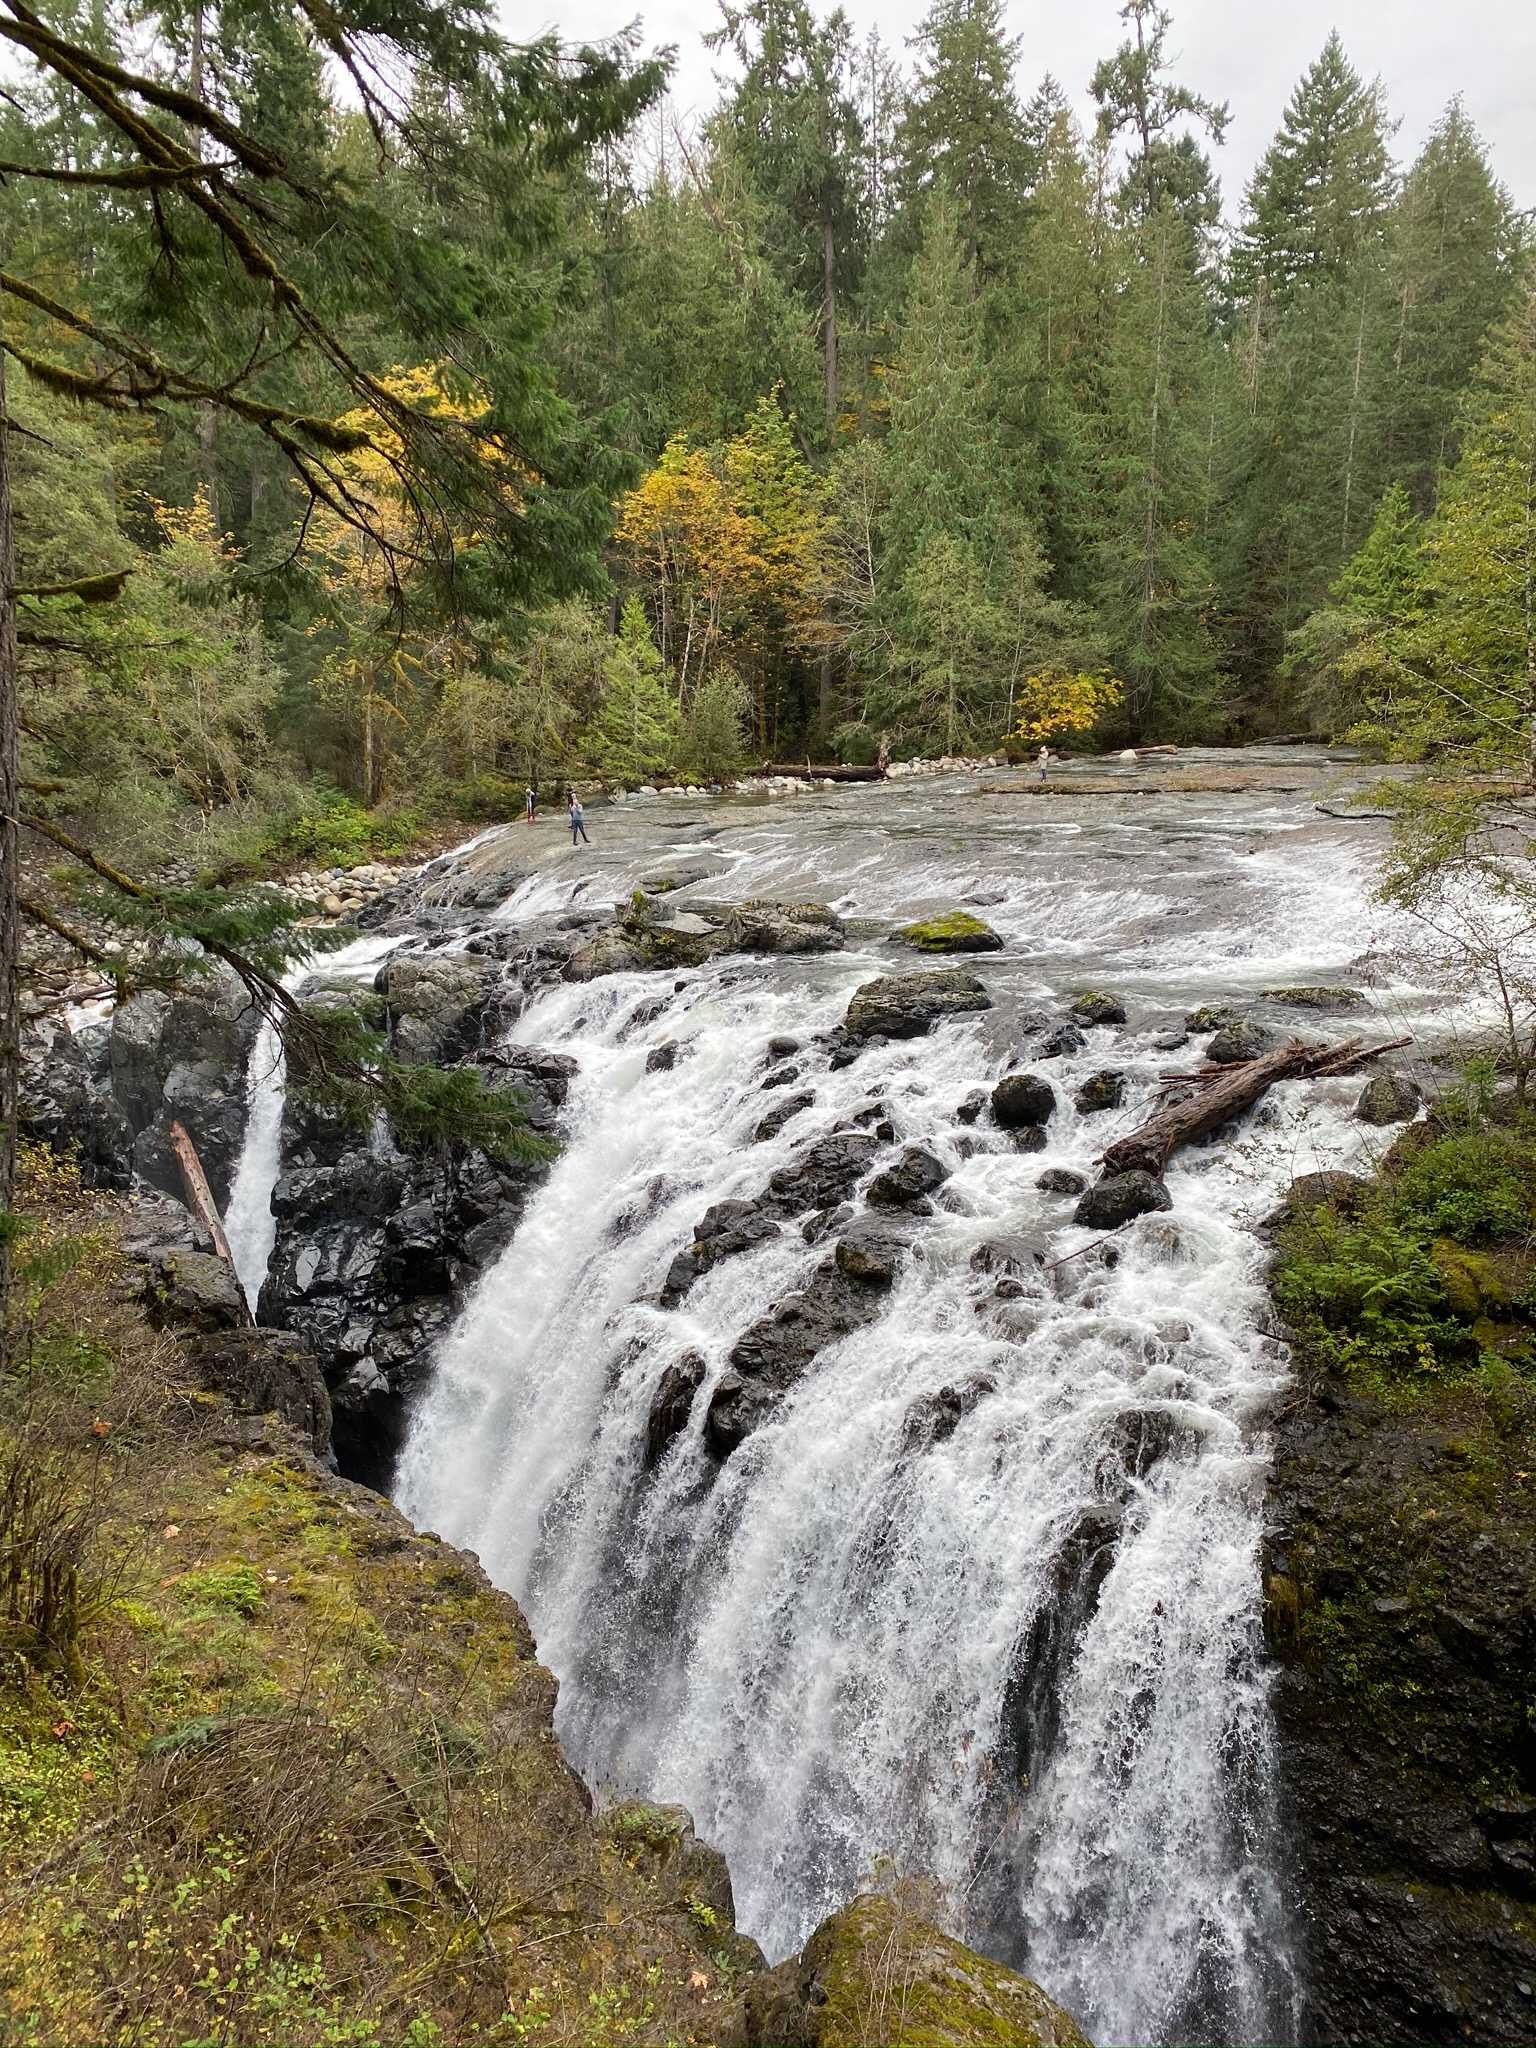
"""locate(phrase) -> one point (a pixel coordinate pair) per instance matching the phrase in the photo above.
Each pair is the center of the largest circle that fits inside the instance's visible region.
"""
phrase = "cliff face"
(1401, 1605)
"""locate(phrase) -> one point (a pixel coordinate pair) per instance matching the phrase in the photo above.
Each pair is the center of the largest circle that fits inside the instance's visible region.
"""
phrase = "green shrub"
(1368, 1296)
(1476, 1188)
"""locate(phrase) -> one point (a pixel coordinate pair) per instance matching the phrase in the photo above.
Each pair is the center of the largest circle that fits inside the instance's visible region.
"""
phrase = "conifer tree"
(1136, 98)
(1455, 243)
(636, 731)
(963, 131)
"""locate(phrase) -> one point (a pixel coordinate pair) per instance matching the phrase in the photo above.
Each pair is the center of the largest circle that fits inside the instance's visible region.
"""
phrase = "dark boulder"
(824, 1173)
(183, 1057)
(783, 1112)
(1061, 1180)
(723, 1232)
(933, 1418)
(969, 1111)
(1120, 1199)
(661, 1059)
(1023, 1099)
(672, 1405)
(66, 1102)
(871, 1251)
(1059, 1042)
(909, 1005)
(265, 1372)
(1346, 1192)
(1011, 1255)
(915, 1174)
(772, 1355)
(1104, 1090)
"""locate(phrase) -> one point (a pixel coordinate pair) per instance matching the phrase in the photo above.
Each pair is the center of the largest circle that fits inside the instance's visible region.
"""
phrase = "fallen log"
(200, 1200)
(1216, 1095)
(836, 772)
(1359, 817)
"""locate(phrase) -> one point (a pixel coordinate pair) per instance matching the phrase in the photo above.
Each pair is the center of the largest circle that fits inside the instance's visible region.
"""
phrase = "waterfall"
(249, 1222)
(1024, 1657)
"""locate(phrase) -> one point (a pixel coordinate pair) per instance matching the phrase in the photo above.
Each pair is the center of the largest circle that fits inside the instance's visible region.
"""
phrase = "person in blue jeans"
(578, 828)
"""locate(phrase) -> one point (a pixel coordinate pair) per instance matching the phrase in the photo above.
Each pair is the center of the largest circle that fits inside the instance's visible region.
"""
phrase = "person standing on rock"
(530, 803)
(578, 828)
(1043, 759)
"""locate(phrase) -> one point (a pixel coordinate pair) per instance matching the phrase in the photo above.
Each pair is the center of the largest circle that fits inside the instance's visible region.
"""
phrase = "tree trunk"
(200, 1197)
(829, 323)
(10, 915)
(1218, 1094)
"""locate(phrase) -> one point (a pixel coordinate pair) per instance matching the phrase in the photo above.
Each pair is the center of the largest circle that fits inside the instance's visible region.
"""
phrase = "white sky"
(1249, 52)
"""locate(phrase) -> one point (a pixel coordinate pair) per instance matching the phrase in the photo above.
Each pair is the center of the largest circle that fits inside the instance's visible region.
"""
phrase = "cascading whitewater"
(1024, 1658)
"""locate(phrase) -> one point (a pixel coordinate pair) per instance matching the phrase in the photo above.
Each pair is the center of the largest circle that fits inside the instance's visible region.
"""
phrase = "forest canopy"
(427, 413)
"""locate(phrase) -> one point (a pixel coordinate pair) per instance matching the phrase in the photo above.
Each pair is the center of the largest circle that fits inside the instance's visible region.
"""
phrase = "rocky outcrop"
(377, 1243)
(909, 1005)
(1243, 1039)
(640, 941)
(880, 1975)
(1401, 1611)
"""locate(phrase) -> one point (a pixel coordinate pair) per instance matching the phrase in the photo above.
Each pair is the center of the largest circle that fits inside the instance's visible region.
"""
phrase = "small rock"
(661, 1059)
(781, 1114)
(1061, 1180)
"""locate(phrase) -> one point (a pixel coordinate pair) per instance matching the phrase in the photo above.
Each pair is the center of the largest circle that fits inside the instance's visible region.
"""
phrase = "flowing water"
(1024, 1658)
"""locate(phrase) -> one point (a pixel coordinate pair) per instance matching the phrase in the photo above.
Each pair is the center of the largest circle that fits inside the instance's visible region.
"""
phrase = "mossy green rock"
(956, 932)
(877, 1975)
(1473, 1284)
(1316, 997)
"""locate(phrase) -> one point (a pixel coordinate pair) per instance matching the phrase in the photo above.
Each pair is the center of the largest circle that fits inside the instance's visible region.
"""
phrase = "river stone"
(782, 1113)
(1061, 1180)
(1022, 1099)
(909, 1005)
(969, 1111)
(782, 1047)
(955, 932)
(1316, 998)
(1388, 1098)
(781, 1077)
(1058, 1042)
(764, 927)
(915, 1174)
(661, 1059)
(1242, 1039)
(933, 1418)
(1095, 1007)
(1010, 1255)
(722, 1232)
(837, 1993)
(671, 1405)
(824, 1173)
(1104, 1090)
(1120, 1199)
(1343, 1191)
(1211, 1017)
(870, 1250)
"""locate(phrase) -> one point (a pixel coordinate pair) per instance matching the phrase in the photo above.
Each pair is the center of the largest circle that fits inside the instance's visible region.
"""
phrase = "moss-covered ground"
(274, 1768)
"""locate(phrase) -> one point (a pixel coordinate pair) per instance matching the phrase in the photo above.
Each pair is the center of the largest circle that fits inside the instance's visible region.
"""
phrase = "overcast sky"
(1248, 52)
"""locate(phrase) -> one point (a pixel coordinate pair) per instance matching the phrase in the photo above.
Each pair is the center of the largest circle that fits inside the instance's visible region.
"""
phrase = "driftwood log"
(837, 772)
(200, 1199)
(1216, 1095)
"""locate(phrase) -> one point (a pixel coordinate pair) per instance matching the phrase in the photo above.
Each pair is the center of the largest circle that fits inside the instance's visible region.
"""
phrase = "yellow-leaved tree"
(1059, 701)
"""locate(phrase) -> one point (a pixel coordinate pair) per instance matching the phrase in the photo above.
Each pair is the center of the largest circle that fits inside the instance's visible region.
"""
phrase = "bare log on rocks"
(200, 1198)
(1216, 1095)
(1361, 817)
(837, 771)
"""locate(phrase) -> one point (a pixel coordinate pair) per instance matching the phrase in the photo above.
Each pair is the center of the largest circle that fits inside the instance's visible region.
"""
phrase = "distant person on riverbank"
(578, 827)
(1043, 759)
(531, 803)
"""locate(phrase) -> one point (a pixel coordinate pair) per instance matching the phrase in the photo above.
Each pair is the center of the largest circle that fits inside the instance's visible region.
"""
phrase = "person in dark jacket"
(578, 827)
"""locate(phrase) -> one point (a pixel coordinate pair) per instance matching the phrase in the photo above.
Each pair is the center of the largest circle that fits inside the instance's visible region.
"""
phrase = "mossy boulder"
(1474, 1285)
(1096, 1006)
(1211, 1017)
(878, 1975)
(1242, 1039)
(955, 932)
(1316, 997)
